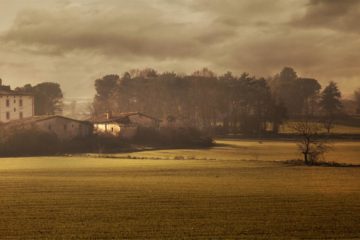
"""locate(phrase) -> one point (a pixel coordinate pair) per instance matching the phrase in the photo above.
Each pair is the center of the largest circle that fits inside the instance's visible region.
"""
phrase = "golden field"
(238, 189)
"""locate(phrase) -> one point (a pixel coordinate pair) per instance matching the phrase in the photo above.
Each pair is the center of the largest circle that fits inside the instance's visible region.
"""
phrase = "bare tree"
(311, 144)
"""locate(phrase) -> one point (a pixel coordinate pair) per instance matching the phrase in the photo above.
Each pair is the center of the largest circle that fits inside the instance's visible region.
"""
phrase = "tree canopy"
(204, 100)
(47, 96)
(298, 94)
(330, 99)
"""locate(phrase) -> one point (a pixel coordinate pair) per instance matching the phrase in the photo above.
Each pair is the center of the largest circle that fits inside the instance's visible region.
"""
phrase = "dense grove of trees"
(298, 94)
(231, 103)
(201, 100)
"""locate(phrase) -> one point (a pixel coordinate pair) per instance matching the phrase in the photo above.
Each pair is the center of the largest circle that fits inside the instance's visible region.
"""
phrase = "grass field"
(240, 189)
(343, 152)
(337, 129)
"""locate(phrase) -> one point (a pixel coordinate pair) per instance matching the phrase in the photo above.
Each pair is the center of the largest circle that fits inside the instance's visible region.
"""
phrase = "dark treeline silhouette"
(357, 100)
(298, 94)
(32, 141)
(229, 103)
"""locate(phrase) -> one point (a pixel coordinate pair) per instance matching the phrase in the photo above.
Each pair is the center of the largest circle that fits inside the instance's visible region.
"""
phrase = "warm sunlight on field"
(181, 119)
(181, 193)
(343, 151)
(336, 128)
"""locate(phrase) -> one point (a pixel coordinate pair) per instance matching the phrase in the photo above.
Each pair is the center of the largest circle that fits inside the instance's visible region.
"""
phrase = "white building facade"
(14, 105)
(124, 125)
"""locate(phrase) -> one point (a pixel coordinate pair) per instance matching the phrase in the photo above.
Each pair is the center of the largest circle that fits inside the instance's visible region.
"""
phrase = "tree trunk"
(276, 126)
(306, 158)
(226, 124)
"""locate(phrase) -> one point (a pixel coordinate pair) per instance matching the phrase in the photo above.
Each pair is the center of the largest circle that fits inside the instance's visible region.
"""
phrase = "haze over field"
(76, 42)
(232, 191)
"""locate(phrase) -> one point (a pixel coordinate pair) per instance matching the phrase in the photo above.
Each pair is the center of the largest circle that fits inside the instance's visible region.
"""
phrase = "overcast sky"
(75, 42)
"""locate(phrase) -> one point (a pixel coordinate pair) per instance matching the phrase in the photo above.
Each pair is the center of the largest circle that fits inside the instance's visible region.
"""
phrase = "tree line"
(227, 102)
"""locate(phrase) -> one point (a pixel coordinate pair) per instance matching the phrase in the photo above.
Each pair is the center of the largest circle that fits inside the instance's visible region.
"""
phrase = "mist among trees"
(227, 103)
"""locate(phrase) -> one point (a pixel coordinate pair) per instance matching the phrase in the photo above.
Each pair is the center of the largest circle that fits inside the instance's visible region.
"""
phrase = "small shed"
(124, 125)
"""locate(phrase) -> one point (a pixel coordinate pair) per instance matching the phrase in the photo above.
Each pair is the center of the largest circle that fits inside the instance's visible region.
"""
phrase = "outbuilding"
(64, 128)
(124, 125)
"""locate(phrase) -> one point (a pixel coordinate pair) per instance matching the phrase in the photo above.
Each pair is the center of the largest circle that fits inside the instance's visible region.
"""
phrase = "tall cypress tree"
(330, 99)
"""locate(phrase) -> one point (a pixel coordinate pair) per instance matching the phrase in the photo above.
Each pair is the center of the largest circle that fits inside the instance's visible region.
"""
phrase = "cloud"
(183, 29)
(114, 32)
(341, 15)
(75, 42)
(245, 13)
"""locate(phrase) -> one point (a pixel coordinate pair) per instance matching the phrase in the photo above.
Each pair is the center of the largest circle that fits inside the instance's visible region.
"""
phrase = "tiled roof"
(34, 119)
(119, 117)
(12, 93)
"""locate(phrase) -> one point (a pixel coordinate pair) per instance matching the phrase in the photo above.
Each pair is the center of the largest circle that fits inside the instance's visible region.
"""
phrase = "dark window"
(112, 129)
(21, 115)
(7, 102)
(49, 127)
(20, 102)
(14, 100)
(65, 127)
(7, 115)
(14, 109)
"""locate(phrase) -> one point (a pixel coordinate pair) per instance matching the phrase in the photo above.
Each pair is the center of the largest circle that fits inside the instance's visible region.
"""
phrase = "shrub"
(29, 142)
(26, 142)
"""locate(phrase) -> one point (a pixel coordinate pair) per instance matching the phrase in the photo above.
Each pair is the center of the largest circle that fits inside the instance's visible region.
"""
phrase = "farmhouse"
(64, 128)
(14, 105)
(124, 125)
